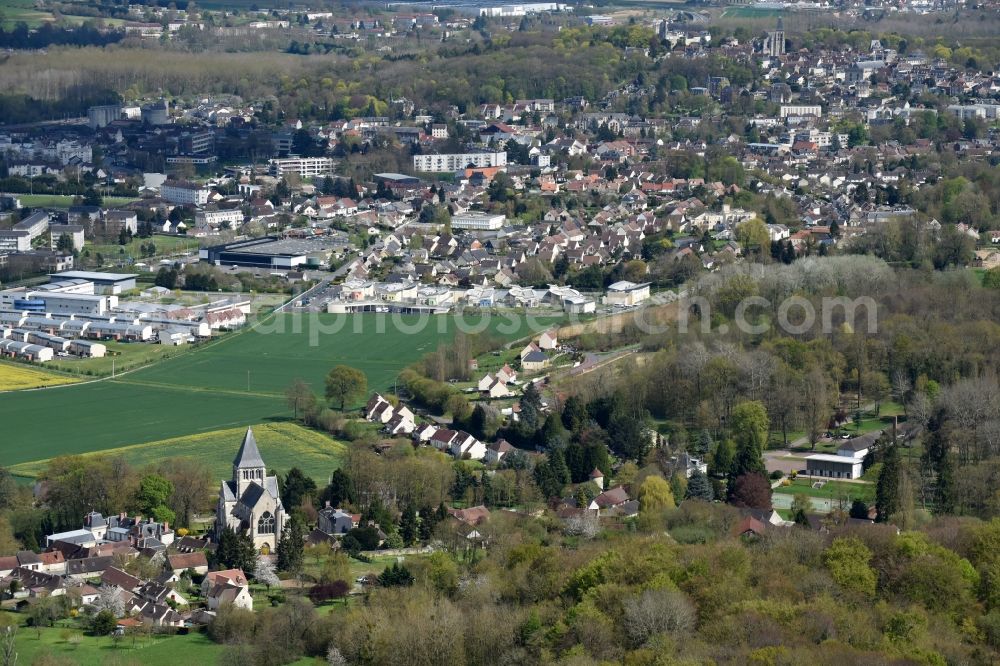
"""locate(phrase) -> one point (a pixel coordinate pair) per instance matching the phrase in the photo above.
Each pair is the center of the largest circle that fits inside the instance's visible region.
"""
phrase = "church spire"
(248, 456)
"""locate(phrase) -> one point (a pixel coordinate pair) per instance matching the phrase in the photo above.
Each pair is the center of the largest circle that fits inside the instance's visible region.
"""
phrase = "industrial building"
(104, 283)
(269, 252)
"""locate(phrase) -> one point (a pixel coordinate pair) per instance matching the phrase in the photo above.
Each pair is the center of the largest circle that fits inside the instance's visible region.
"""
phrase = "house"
(497, 389)
(750, 528)
(226, 577)
(401, 422)
(597, 477)
(465, 446)
(158, 615)
(161, 594)
(181, 562)
(506, 374)
(227, 593)
(337, 521)
(424, 433)
(118, 578)
(837, 467)
(608, 500)
(497, 450)
(474, 515)
(548, 340)
(535, 361)
(378, 409)
(529, 349)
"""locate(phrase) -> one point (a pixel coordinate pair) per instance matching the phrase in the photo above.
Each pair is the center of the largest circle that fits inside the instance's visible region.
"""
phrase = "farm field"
(206, 389)
(284, 445)
(14, 376)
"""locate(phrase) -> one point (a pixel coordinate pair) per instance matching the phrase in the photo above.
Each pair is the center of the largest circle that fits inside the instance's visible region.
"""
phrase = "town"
(553, 333)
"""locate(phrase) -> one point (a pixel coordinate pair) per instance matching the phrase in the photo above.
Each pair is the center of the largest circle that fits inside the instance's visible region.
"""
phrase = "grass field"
(165, 245)
(14, 376)
(207, 389)
(62, 200)
(193, 648)
(130, 355)
(284, 445)
(830, 489)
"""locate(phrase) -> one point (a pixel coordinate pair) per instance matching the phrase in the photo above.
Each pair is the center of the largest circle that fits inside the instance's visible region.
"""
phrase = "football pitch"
(236, 382)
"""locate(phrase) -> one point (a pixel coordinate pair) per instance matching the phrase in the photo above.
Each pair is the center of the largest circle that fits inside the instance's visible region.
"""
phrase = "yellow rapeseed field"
(14, 377)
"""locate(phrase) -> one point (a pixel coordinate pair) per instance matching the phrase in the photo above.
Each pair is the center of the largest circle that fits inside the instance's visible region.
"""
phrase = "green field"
(62, 200)
(206, 389)
(284, 445)
(165, 245)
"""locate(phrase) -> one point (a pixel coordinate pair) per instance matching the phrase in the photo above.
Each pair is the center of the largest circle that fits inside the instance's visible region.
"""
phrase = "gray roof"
(248, 455)
(251, 495)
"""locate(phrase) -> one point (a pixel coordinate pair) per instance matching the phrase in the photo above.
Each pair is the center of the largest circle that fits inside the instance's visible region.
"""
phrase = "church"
(249, 503)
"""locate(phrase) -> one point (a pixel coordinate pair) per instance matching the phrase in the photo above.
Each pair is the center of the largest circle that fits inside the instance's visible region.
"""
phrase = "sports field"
(283, 444)
(236, 382)
(14, 377)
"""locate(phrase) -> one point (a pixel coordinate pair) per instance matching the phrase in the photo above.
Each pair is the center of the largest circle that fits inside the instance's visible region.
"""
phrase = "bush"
(776, 474)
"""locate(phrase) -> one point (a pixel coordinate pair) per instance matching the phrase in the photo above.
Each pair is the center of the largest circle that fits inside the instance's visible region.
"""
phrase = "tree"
(847, 559)
(655, 494)
(8, 653)
(801, 507)
(408, 525)
(751, 491)
(236, 551)
(750, 426)
(300, 397)
(699, 487)
(345, 383)
(754, 238)
(531, 409)
(110, 599)
(65, 243)
(723, 458)
(92, 198)
(296, 487)
(396, 575)
(103, 623)
(340, 489)
(153, 496)
(291, 547)
(887, 502)
(191, 481)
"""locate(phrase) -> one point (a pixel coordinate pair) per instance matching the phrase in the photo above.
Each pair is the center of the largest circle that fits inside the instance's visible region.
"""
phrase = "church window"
(266, 524)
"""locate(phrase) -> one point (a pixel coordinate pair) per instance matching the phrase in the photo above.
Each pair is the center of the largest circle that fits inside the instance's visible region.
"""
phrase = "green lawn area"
(284, 445)
(165, 245)
(830, 489)
(193, 648)
(62, 200)
(122, 355)
(206, 389)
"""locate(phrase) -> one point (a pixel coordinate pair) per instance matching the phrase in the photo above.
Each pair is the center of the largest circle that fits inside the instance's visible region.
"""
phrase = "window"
(266, 524)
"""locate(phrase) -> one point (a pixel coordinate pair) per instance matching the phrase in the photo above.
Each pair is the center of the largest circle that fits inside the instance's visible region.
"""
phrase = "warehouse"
(267, 252)
(26, 351)
(104, 283)
(837, 467)
(119, 331)
(87, 348)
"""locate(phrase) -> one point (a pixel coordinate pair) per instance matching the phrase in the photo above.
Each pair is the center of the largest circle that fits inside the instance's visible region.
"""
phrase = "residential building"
(448, 162)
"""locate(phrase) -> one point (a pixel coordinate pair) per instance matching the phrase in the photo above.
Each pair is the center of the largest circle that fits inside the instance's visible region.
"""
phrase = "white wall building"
(477, 221)
(184, 193)
(307, 167)
(442, 163)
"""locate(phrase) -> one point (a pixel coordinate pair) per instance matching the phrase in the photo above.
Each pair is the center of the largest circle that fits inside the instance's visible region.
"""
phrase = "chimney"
(328, 504)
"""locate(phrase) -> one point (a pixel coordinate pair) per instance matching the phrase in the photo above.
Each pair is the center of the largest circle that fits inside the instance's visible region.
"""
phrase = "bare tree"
(7, 652)
(656, 612)
(585, 526)
(334, 658)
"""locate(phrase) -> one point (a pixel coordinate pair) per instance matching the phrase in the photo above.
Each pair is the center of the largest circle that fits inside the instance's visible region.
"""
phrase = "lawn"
(63, 200)
(235, 382)
(165, 246)
(121, 356)
(193, 648)
(15, 376)
(830, 489)
(284, 445)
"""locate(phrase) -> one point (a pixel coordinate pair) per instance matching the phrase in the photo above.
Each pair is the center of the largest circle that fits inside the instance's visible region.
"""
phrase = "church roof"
(251, 495)
(248, 455)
